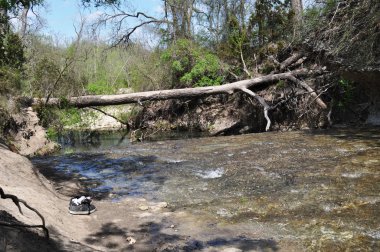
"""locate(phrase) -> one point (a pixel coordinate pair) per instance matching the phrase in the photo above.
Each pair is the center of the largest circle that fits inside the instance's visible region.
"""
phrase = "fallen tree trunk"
(244, 85)
(105, 100)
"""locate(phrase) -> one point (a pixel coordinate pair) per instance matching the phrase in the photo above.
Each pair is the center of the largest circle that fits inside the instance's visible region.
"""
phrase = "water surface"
(320, 187)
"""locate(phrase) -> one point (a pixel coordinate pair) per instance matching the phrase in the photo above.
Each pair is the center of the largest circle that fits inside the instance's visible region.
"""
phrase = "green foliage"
(271, 22)
(329, 6)
(52, 133)
(44, 75)
(47, 116)
(11, 51)
(236, 37)
(129, 116)
(347, 92)
(100, 87)
(314, 16)
(10, 80)
(234, 44)
(11, 62)
(15, 6)
(54, 119)
(281, 84)
(69, 116)
(5, 119)
(205, 72)
(192, 65)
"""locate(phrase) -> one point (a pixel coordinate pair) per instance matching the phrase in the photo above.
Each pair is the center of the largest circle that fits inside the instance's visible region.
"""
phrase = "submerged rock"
(144, 208)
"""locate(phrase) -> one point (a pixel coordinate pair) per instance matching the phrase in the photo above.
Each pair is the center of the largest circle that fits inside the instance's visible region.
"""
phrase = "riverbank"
(104, 230)
(270, 191)
(131, 224)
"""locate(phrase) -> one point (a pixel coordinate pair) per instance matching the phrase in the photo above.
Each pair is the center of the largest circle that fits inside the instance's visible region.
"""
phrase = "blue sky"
(62, 15)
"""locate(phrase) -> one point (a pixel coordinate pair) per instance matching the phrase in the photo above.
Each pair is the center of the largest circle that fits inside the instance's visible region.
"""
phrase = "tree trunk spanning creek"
(293, 191)
(243, 85)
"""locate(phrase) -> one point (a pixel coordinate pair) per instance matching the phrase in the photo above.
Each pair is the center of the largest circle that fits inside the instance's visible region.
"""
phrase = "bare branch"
(244, 65)
(112, 116)
(309, 89)
(263, 103)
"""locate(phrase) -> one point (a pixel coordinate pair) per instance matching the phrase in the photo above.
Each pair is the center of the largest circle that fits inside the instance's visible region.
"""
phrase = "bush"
(100, 87)
(192, 65)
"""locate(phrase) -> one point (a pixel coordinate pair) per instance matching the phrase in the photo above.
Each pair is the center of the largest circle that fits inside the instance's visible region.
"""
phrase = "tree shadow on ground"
(152, 236)
(109, 236)
(32, 239)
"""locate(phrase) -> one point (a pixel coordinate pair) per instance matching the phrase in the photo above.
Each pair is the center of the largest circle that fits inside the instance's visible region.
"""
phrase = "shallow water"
(321, 187)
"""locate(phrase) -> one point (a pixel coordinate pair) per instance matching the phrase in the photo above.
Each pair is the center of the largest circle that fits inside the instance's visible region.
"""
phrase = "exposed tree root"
(17, 202)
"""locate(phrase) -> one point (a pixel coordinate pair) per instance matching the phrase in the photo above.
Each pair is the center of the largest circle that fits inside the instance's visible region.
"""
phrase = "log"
(310, 90)
(290, 61)
(105, 100)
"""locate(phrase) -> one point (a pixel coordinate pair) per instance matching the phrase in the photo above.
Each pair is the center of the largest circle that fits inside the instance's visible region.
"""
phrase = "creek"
(319, 187)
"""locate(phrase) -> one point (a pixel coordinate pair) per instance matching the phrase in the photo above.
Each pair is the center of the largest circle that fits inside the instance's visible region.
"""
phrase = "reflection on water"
(321, 187)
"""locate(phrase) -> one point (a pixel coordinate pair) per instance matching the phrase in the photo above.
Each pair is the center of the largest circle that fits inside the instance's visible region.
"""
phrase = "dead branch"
(112, 116)
(244, 65)
(299, 62)
(243, 85)
(290, 61)
(309, 89)
(262, 102)
(17, 202)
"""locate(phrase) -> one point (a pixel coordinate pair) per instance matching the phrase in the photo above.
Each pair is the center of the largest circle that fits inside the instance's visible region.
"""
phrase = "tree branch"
(309, 89)
(112, 116)
(263, 103)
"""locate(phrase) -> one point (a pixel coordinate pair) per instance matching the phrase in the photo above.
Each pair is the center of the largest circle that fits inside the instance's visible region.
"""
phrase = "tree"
(297, 9)
(15, 7)
(181, 13)
(120, 19)
(11, 49)
(98, 3)
(270, 20)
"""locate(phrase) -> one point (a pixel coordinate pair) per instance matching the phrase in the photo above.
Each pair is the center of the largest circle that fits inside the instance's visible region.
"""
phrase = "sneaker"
(81, 205)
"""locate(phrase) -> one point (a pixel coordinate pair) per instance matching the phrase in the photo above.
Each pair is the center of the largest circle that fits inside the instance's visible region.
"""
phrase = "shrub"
(192, 65)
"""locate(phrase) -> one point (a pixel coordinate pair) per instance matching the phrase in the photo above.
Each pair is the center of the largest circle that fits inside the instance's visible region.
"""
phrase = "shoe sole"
(82, 212)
